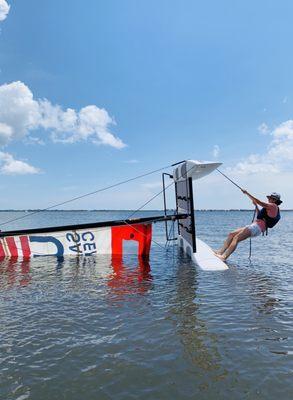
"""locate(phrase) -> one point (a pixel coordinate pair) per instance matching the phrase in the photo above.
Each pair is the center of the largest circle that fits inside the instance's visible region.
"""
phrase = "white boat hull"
(76, 241)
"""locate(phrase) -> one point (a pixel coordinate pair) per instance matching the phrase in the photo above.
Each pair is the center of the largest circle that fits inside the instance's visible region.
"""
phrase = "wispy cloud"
(34, 141)
(4, 10)
(216, 151)
(152, 185)
(69, 188)
(20, 114)
(132, 161)
(263, 128)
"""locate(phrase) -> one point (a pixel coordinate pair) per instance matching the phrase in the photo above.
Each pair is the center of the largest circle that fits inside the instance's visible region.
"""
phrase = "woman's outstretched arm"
(255, 200)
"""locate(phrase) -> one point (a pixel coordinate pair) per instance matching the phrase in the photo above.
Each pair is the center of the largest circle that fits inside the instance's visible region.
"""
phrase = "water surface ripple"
(97, 328)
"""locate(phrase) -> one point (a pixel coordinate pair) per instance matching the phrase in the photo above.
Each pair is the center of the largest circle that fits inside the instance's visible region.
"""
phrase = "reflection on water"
(125, 279)
(103, 327)
(120, 277)
(262, 289)
(191, 328)
(14, 272)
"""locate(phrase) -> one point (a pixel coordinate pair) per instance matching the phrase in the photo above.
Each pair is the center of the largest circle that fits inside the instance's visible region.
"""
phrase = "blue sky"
(175, 78)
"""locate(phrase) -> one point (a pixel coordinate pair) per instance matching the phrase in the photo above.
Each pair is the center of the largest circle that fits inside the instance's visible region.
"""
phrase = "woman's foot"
(221, 257)
(218, 252)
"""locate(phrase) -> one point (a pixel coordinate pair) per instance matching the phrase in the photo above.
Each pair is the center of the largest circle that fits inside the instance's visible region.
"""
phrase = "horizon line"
(126, 209)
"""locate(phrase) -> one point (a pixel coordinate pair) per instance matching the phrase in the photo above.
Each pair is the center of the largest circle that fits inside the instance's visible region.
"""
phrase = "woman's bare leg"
(242, 235)
(228, 241)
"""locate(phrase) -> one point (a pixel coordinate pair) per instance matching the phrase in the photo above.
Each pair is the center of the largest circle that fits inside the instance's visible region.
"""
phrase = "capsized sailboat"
(81, 240)
(108, 237)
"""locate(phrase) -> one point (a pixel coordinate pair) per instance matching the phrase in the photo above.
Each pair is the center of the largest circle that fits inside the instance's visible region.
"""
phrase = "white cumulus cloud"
(4, 9)
(10, 166)
(5, 133)
(21, 114)
(254, 164)
(277, 157)
(281, 147)
(259, 172)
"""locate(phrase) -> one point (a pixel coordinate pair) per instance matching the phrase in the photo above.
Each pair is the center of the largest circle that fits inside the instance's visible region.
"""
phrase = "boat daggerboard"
(198, 250)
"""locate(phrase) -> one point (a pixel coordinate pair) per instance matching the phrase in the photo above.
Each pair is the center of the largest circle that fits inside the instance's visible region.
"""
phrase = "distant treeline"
(205, 210)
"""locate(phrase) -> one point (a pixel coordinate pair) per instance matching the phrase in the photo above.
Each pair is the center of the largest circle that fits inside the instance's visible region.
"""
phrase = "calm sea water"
(90, 329)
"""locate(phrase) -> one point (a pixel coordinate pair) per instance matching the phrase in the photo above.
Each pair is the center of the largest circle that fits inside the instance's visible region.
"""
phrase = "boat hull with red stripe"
(81, 240)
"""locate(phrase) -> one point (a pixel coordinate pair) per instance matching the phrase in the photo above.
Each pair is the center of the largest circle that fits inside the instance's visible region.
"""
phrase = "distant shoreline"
(127, 210)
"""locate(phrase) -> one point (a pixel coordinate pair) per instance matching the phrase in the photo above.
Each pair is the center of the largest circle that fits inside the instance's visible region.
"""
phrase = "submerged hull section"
(77, 242)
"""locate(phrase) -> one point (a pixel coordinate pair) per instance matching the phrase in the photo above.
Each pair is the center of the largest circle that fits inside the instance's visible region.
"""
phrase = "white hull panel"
(78, 242)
